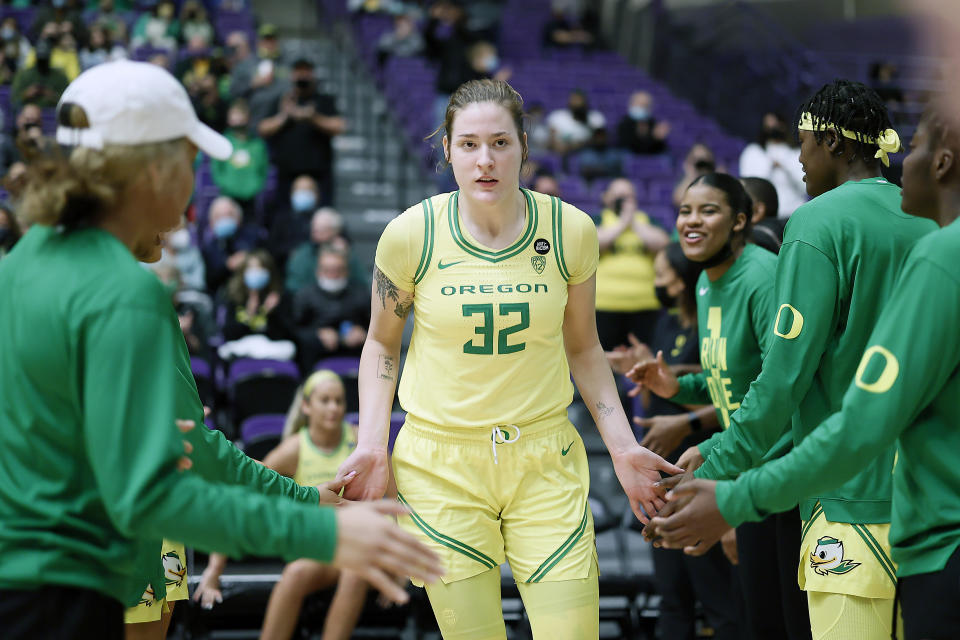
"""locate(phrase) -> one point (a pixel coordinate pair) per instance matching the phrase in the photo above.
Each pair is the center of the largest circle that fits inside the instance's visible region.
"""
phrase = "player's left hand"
(638, 470)
(696, 526)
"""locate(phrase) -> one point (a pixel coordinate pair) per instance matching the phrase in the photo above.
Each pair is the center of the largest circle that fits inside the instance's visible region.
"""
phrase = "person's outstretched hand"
(374, 547)
(656, 376)
(371, 474)
(638, 470)
(696, 526)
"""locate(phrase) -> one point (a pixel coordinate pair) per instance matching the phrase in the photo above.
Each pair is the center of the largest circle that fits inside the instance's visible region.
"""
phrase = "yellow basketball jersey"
(487, 345)
(315, 466)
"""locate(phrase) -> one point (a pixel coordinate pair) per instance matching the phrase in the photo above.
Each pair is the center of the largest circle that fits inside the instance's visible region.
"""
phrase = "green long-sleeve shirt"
(89, 396)
(244, 174)
(836, 269)
(907, 386)
(734, 315)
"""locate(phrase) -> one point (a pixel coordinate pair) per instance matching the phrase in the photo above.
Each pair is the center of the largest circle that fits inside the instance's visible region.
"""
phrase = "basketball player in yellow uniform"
(490, 467)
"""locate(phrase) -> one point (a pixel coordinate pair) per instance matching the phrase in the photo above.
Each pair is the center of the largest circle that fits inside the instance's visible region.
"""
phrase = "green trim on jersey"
(564, 549)
(556, 213)
(426, 253)
(809, 523)
(447, 541)
(877, 551)
(453, 218)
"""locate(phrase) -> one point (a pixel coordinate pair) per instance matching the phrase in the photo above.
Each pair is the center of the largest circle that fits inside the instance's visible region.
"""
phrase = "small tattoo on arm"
(604, 410)
(386, 365)
(387, 290)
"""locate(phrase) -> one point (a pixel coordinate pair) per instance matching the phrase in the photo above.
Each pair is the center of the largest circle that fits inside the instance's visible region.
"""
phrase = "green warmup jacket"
(840, 257)
(734, 316)
(907, 386)
(93, 375)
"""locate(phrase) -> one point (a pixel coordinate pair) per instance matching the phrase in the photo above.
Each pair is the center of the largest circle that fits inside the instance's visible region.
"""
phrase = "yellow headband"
(318, 376)
(888, 142)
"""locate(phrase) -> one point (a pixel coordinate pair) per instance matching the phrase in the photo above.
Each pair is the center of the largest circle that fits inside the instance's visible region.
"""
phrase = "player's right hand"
(656, 376)
(378, 550)
(370, 481)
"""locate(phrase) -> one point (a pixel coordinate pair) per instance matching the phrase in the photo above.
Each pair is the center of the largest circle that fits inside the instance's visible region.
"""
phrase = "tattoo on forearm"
(603, 409)
(387, 290)
(386, 368)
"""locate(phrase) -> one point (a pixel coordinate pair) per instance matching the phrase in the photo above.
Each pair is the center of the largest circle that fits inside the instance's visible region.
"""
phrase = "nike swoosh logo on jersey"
(564, 452)
(440, 264)
(703, 290)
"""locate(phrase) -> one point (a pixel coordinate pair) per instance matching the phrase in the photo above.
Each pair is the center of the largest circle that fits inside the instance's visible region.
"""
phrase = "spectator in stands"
(196, 324)
(766, 229)
(448, 41)
(326, 226)
(9, 228)
(316, 439)
(546, 183)
(572, 127)
(405, 41)
(538, 132)
(66, 17)
(289, 224)
(63, 52)
(268, 46)
(40, 83)
(15, 180)
(255, 302)
(883, 80)
(244, 175)
(27, 135)
(626, 301)
(330, 315)
(158, 28)
(242, 63)
(300, 132)
(569, 26)
(226, 243)
(199, 74)
(100, 48)
(598, 159)
(110, 16)
(774, 158)
(180, 250)
(16, 48)
(269, 84)
(161, 59)
(195, 24)
(698, 161)
(639, 131)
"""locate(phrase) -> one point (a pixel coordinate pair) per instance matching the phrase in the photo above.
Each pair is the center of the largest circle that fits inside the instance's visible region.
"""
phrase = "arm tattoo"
(604, 410)
(386, 365)
(387, 290)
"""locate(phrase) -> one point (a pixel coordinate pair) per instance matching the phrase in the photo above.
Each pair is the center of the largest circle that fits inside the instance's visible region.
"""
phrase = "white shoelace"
(498, 432)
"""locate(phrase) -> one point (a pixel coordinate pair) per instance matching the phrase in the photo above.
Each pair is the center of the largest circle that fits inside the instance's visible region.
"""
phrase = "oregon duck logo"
(148, 598)
(538, 262)
(828, 558)
(173, 570)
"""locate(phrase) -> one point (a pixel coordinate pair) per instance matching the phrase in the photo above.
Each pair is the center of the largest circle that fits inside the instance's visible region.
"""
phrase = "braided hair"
(853, 106)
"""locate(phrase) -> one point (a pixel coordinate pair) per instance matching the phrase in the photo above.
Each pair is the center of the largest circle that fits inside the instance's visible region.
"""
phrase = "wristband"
(695, 424)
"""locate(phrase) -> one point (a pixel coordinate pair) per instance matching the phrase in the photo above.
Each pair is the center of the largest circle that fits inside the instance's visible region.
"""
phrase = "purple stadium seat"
(200, 368)
(244, 368)
(256, 427)
(343, 366)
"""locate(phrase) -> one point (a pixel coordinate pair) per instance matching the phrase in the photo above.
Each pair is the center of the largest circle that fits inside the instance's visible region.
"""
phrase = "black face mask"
(666, 300)
(723, 254)
(775, 133)
(303, 84)
(579, 113)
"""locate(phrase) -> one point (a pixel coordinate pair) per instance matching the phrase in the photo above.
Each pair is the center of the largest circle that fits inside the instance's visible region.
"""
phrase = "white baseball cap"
(130, 103)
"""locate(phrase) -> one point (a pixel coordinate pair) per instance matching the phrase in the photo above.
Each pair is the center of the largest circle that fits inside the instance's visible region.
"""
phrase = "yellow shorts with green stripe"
(174, 560)
(851, 559)
(478, 501)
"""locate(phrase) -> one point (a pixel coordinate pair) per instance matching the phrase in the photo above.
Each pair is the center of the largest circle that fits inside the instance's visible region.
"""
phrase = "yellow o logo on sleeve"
(796, 323)
(891, 369)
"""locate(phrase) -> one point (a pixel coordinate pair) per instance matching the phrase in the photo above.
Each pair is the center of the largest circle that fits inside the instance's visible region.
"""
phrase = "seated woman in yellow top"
(626, 302)
(316, 440)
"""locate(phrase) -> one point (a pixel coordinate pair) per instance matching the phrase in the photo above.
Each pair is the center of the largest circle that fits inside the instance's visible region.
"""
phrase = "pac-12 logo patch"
(538, 262)
(541, 246)
(828, 557)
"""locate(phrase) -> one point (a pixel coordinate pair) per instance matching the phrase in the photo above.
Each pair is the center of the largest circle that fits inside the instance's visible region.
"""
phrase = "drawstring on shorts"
(498, 432)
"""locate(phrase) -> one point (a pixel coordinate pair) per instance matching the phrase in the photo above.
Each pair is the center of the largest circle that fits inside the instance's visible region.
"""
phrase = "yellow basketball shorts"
(851, 559)
(149, 609)
(479, 497)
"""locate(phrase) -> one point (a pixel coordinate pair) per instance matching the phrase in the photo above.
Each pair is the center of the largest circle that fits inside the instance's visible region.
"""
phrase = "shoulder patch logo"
(539, 263)
(541, 246)
(828, 558)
